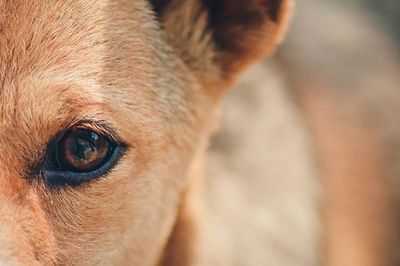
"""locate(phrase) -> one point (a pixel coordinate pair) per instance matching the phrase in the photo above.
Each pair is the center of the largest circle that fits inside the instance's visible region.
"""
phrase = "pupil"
(83, 150)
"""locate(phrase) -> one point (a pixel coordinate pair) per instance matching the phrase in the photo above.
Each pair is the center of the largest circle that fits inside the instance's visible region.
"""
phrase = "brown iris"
(82, 150)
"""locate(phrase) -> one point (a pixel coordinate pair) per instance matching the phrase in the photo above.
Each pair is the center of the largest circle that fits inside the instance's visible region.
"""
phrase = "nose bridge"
(12, 238)
(25, 235)
(12, 186)
(14, 219)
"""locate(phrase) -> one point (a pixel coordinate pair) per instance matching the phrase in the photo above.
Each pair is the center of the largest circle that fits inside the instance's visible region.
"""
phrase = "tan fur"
(70, 61)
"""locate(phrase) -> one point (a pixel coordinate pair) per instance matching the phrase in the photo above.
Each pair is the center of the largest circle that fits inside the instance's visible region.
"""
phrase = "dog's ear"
(222, 36)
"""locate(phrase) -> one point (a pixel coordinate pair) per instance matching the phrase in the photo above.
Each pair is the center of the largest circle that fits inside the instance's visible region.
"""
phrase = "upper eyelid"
(99, 127)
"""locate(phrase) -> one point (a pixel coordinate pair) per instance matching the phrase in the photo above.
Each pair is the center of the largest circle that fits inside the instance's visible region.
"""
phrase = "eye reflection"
(82, 151)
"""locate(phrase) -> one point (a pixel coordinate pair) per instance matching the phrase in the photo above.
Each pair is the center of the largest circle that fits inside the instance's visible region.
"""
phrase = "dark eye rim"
(56, 177)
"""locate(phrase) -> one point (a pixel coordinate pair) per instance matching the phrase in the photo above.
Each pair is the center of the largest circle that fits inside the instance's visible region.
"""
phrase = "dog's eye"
(82, 151)
(79, 156)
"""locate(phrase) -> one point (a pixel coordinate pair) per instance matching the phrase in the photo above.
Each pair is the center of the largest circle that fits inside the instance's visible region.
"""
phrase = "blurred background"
(387, 13)
(305, 168)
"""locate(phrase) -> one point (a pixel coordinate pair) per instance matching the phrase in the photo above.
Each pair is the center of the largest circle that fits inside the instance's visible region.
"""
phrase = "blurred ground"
(305, 168)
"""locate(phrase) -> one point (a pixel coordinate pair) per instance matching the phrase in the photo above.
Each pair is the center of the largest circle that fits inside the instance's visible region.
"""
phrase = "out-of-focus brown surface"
(262, 183)
(305, 168)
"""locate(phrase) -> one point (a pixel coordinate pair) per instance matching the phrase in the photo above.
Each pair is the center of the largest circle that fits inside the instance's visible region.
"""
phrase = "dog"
(106, 108)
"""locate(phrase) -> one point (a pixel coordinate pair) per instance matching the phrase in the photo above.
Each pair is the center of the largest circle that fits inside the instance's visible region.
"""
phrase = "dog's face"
(103, 108)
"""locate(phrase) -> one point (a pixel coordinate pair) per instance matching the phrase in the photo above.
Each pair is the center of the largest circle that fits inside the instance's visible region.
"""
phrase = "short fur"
(156, 78)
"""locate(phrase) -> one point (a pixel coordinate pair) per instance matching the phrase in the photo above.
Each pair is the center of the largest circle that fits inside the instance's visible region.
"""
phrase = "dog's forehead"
(35, 35)
(70, 53)
(38, 40)
(73, 35)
